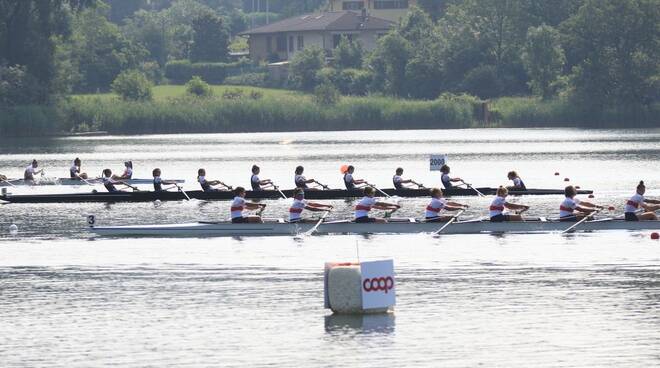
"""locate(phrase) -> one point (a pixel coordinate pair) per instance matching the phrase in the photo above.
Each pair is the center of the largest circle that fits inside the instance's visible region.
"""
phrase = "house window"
(281, 43)
(269, 44)
(352, 5)
(301, 42)
(337, 38)
(391, 4)
(290, 43)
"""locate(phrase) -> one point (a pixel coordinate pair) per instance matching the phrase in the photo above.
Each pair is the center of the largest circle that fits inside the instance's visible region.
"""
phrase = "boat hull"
(148, 196)
(220, 229)
(75, 182)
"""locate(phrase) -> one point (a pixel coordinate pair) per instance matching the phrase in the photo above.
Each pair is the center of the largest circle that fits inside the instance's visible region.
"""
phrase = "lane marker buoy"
(655, 236)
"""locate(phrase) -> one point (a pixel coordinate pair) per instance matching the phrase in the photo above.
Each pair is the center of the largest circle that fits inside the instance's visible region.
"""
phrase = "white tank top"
(364, 206)
(433, 209)
(237, 207)
(568, 206)
(634, 203)
(296, 209)
(497, 206)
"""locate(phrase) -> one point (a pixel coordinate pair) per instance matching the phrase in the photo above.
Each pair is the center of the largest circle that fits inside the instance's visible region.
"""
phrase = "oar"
(135, 189)
(316, 226)
(325, 187)
(8, 182)
(591, 215)
(420, 186)
(473, 188)
(278, 189)
(378, 190)
(182, 191)
(226, 186)
(449, 222)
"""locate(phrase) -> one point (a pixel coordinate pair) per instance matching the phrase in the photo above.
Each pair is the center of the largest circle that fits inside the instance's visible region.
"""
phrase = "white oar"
(454, 218)
(316, 226)
(591, 215)
(8, 182)
(473, 188)
(182, 191)
(278, 189)
(380, 191)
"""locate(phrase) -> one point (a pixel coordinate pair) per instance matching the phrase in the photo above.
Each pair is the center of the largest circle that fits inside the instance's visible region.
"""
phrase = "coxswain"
(207, 185)
(517, 182)
(109, 183)
(128, 172)
(31, 171)
(158, 182)
(300, 181)
(446, 179)
(367, 203)
(349, 181)
(638, 201)
(398, 181)
(258, 184)
(568, 208)
(238, 205)
(499, 204)
(438, 204)
(74, 170)
(300, 204)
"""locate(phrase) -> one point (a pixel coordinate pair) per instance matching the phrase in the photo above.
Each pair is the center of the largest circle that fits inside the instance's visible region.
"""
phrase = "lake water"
(68, 299)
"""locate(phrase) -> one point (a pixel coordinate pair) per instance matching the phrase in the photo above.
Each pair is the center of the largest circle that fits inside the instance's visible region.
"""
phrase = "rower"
(348, 178)
(517, 182)
(207, 185)
(446, 180)
(109, 183)
(398, 181)
(74, 170)
(238, 205)
(158, 182)
(300, 181)
(299, 204)
(367, 203)
(636, 201)
(571, 204)
(128, 172)
(31, 171)
(256, 183)
(498, 205)
(438, 203)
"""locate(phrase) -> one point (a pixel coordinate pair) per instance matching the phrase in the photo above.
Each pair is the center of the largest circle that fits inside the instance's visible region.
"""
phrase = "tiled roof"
(326, 21)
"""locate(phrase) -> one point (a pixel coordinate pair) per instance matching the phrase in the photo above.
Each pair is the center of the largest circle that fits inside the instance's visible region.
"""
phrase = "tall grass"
(32, 120)
(533, 112)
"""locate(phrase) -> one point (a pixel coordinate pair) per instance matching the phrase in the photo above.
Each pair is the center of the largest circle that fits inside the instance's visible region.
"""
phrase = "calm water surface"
(70, 300)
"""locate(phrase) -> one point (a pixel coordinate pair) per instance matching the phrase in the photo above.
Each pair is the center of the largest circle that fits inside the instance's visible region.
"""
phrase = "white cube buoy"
(13, 229)
(352, 288)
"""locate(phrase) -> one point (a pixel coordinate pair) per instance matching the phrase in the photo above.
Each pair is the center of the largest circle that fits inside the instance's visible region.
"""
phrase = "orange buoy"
(655, 236)
(343, 169)
(567, 179)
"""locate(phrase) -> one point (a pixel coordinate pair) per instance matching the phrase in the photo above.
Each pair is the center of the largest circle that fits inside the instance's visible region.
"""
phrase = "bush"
(305, 66)
(181, 71)
(197, 87)
(326, 94)
(132, 85)
(248, 79)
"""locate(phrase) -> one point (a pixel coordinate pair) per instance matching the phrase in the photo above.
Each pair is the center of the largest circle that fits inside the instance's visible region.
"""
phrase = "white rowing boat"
(76, 182)
(401, 226)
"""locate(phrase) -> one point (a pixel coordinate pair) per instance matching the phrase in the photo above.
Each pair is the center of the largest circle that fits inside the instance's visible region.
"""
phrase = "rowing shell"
(76, 182)
(148, 196)
(411, 226)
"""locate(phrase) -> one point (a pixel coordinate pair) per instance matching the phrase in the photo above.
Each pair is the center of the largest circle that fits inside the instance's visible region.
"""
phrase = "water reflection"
(379, 323)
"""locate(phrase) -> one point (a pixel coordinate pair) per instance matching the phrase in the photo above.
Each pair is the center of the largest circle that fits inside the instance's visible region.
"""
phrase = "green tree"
(100, 50)
(613, 47)
(388, 63)
(326, 94)
(132, 85)
(197, 87)
(210, 40)
(17, 87)
(543, 58)
(348, 54)
(304, 67)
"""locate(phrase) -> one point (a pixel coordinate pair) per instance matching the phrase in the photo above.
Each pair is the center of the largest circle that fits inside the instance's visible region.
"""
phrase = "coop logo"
(384, 284)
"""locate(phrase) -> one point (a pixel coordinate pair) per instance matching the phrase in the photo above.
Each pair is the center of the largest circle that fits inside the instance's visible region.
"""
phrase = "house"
(281, 40)
(391, 10)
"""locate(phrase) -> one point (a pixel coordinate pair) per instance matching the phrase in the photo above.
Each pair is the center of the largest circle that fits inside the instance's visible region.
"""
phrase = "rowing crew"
(570, 210)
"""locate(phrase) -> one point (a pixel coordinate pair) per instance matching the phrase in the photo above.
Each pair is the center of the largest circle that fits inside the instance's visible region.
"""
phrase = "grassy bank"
(249, 109)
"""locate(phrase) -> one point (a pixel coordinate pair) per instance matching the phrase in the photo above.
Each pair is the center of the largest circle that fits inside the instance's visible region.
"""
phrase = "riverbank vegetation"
(143, 67)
